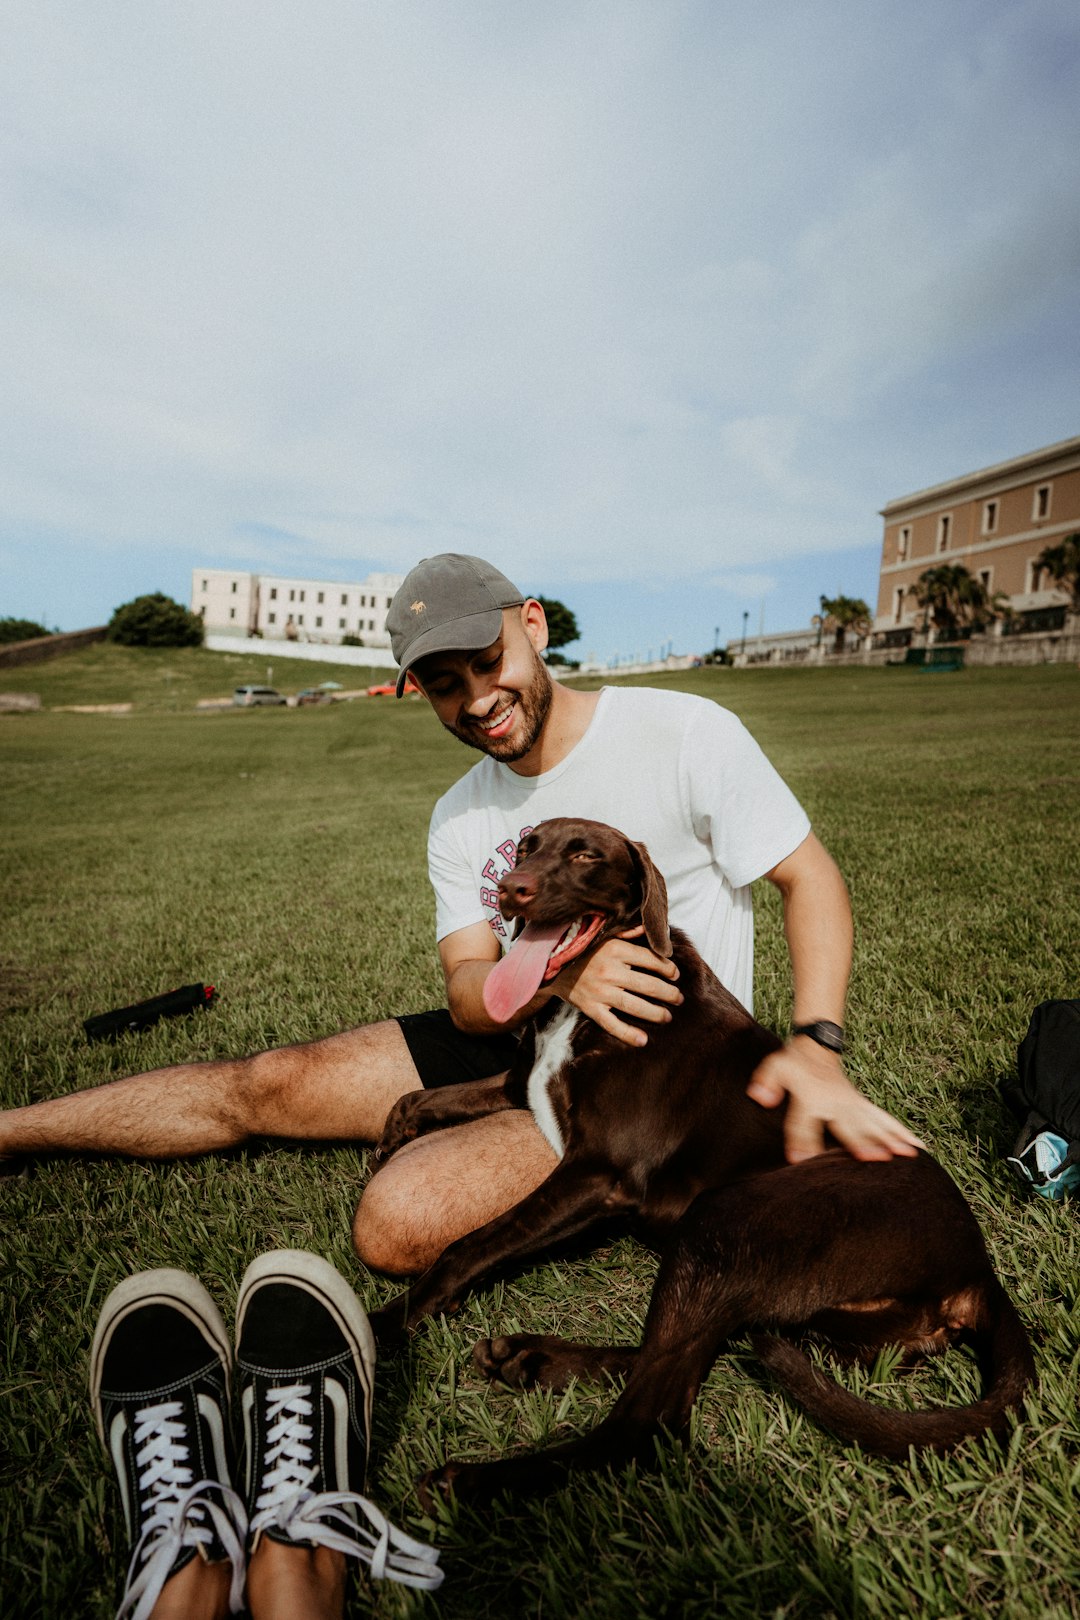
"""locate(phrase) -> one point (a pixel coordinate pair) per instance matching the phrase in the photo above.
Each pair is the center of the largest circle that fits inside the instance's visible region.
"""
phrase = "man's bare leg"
(441, 1186)
(340, 1088)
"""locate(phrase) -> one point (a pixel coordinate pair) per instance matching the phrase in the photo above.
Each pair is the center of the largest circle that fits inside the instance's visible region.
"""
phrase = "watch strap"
(824, 1032)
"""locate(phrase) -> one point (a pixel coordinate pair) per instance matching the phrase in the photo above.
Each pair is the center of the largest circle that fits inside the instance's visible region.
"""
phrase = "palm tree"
(953, 599)
(841, 614)
(1062, 563)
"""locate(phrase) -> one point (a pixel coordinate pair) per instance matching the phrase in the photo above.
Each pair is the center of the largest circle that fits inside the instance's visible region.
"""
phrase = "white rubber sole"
(161, 1287)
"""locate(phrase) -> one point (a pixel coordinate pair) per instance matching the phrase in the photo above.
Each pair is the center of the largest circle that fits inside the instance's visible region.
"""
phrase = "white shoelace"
(176, 1512)
(287, 1504)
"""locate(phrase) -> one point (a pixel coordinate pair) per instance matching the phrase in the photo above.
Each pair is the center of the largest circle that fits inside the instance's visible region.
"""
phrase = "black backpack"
(1045, 1096)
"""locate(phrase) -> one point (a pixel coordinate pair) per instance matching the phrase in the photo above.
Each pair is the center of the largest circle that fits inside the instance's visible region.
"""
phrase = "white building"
(231, 602)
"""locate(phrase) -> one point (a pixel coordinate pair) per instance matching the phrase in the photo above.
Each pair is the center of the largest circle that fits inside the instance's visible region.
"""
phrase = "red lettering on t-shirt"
(493, 870)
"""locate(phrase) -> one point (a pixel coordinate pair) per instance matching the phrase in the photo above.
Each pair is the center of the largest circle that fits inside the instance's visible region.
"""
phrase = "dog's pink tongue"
(516, 979)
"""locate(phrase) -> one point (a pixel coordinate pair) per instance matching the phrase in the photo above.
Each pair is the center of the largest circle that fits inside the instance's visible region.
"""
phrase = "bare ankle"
(295, 1583)
(199, 1591)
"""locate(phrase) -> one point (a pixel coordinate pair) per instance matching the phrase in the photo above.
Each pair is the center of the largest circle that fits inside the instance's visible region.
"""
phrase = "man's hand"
(820, 1095)
(621, 977)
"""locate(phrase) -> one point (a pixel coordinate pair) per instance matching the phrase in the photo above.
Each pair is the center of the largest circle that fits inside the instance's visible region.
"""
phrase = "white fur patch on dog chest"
(554, 1049)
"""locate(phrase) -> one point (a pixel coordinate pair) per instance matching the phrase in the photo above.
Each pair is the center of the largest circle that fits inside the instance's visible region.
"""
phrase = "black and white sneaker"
(305, 1360)
(159, 1382)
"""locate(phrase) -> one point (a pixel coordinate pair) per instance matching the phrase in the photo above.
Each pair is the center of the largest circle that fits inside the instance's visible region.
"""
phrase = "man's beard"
(533, 702)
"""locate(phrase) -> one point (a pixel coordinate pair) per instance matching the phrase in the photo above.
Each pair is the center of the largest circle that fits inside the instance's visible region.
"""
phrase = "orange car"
(388, 688)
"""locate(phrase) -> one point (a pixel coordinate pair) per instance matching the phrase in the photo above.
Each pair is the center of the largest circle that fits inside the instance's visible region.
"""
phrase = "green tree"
(20, 630)
(952, 599)
(1062, 563)
(155, 621)
(562, 625)
(839, 614)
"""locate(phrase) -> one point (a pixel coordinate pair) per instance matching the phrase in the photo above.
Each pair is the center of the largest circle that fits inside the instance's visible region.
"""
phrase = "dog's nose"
(518, 887)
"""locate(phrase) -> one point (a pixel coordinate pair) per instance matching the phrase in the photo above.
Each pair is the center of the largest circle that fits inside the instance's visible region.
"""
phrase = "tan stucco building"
(995, 523)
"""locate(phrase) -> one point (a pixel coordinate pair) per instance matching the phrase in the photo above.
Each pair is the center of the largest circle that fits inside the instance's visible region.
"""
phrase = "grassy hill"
(170, 679)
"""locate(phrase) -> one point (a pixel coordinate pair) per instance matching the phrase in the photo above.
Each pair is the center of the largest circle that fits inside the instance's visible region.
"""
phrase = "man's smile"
(499, 723)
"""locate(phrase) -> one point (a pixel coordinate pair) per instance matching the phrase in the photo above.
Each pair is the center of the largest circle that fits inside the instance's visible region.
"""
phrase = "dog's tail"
(1008, 1365)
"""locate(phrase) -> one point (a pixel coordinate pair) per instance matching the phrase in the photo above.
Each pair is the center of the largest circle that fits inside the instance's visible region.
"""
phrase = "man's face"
(496, 699)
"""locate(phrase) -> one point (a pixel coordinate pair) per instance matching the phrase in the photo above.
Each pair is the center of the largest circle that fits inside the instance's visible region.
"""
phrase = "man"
(674, 771)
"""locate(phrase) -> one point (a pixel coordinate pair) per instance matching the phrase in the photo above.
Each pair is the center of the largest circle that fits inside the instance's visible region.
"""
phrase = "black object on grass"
(189, 998)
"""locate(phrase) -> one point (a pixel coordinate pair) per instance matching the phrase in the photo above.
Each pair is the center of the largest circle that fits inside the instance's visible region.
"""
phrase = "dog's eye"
(585, 855)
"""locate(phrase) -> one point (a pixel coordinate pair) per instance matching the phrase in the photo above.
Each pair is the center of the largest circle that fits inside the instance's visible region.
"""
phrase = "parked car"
(249, 697)
(313, 694)
(388, 688)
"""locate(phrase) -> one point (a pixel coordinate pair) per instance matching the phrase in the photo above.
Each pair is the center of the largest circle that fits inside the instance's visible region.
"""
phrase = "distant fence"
(318, 652)
(42, 647)
(1050, 647)
(1055, 647)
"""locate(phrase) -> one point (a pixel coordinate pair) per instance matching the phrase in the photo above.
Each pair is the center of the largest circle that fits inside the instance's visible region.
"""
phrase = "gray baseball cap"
(449, 603)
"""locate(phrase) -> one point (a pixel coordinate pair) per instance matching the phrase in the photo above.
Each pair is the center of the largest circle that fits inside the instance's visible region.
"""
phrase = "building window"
(299, 618)
(234, 587)
(271, 618)
(1041, 505)
(232, 613)
(204, 585)
(985, 576)
(990, 517)
(318, 622)
(944, 524)
(1034, 576)
(898, 604)
(363, 601)
(320, 596)
(903, 542)
(371, 624)
(341, 624)
(301, 596)
(292, 596)
(344, 600)
(273, 593)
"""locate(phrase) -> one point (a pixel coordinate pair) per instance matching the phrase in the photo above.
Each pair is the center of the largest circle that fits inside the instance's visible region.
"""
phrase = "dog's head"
(575, 883)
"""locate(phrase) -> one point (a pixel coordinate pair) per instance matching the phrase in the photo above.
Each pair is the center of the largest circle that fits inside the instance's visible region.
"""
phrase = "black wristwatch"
(824, 1031)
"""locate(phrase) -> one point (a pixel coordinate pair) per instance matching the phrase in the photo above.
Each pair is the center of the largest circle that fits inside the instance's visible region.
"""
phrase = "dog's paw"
(480, 1483)
(541, 1361)
(390, 1324)
(520, 1361)
(400, 1127)
(440, 1485)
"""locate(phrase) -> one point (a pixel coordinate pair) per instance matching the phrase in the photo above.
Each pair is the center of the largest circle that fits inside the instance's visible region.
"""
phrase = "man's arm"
(817, 923)
(619, 977)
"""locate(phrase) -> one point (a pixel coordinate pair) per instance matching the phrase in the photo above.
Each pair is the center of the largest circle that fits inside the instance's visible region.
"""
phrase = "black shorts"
(445, 1055)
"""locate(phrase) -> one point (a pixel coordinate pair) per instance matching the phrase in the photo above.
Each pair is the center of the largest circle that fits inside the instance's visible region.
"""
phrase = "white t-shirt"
(673, 771)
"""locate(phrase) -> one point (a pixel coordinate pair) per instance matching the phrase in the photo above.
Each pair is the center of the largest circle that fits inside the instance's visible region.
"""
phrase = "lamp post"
(745, 617)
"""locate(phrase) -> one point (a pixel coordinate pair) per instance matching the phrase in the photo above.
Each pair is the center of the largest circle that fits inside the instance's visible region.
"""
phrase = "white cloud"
(746, 587)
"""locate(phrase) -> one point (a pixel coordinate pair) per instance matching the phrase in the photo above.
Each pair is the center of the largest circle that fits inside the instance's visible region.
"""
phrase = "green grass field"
(280, 855)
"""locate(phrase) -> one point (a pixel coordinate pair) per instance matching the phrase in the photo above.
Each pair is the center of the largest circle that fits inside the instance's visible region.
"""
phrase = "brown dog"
(864, 1254)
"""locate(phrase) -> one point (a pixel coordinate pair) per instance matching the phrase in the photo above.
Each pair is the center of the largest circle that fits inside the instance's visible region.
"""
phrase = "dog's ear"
(654, 909)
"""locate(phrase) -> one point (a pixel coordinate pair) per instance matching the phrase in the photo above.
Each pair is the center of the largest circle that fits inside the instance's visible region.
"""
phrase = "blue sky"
(654, 304)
